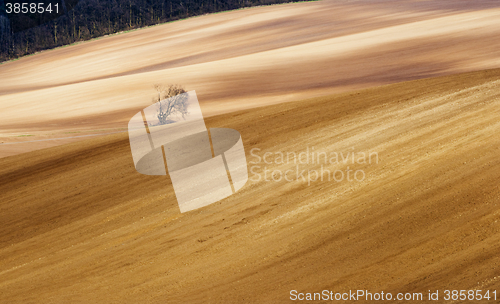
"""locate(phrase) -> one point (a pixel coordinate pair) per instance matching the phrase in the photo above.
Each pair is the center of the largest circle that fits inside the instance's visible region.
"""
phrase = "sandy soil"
(243, 59)
(80, 225)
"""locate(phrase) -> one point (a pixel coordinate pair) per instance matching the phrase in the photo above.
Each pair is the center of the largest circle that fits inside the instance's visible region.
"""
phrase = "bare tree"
(171, 101)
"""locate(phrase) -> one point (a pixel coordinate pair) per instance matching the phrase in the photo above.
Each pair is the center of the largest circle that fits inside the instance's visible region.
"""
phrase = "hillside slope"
(242, 59)
(80, 225)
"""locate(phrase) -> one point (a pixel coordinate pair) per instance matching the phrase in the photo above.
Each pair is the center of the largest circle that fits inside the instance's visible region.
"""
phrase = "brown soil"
(243, 59)
(80, 225)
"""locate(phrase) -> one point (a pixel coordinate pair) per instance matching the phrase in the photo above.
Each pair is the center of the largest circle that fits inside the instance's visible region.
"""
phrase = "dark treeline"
(93, 18)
